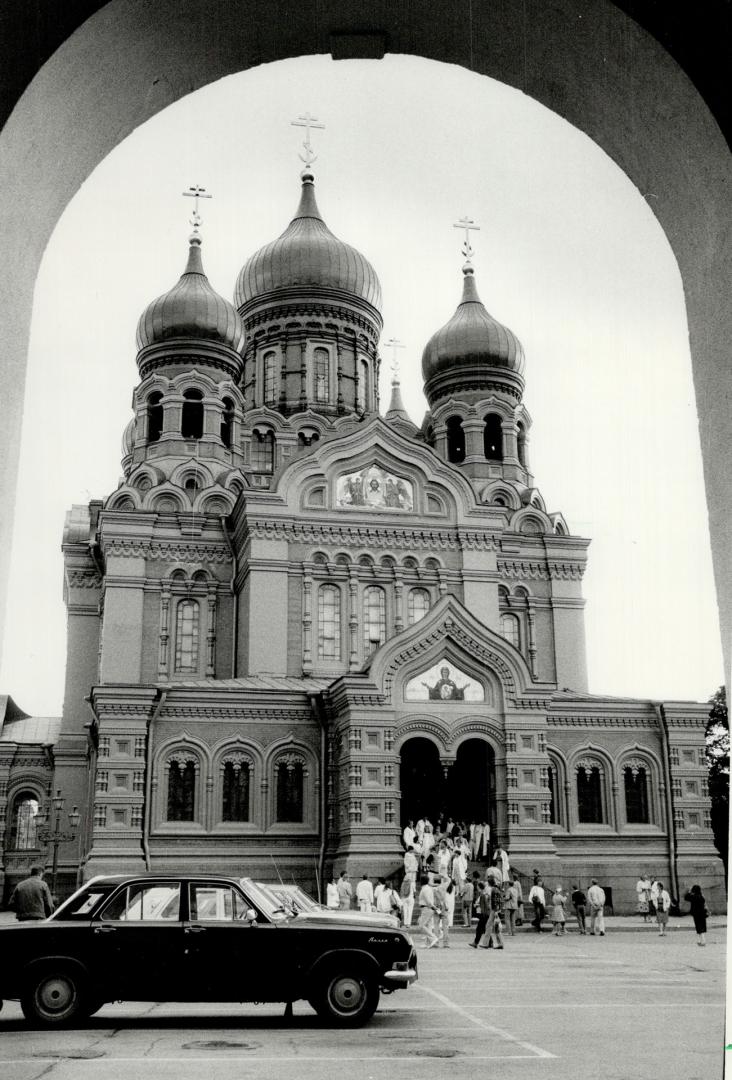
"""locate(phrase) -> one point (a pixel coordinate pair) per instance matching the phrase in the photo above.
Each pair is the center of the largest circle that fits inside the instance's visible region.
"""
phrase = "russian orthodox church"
(299, 622)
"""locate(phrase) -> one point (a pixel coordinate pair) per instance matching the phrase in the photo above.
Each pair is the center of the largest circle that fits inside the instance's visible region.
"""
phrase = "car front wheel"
(346, 997)
(53, 997)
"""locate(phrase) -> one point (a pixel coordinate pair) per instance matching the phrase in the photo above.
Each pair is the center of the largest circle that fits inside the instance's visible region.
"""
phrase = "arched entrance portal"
(420, 780)
(467, 793)
(471, 784)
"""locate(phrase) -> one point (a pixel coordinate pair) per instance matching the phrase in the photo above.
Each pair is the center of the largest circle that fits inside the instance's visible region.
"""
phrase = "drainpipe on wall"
(316, 704)
(672, 850)
(235, 594)
(162, 695)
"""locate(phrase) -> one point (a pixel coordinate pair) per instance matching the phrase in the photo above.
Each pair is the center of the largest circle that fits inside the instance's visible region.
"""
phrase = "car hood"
(348, 918)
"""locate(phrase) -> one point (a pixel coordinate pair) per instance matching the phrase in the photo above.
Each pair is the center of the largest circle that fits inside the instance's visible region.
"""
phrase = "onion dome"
(307, 257)
(128, 437)
(473, 350)
(192, 309)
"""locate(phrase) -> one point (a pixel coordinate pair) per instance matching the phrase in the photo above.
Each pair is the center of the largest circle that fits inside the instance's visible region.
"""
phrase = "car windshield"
(266, 900)
(291, 897)
(81, 904)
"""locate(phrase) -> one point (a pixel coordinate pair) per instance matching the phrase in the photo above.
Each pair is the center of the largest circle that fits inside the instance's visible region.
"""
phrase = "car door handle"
(193, 929)
(105, 929)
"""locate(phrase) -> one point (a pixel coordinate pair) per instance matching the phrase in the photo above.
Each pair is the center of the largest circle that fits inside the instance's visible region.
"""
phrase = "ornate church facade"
(298, 623)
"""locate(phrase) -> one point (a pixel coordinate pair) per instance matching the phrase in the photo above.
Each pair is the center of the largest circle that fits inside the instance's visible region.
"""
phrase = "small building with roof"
(298, 623)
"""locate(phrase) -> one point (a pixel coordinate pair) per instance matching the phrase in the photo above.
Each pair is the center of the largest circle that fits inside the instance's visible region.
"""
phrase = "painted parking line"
(535, 1051)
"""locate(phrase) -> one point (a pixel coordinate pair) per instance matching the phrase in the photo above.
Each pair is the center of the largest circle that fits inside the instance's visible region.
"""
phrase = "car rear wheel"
(54, 996)
(346, 997)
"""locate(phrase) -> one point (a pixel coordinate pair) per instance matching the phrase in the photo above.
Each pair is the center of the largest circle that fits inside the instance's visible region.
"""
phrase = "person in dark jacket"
(31, 898)
(698, 909)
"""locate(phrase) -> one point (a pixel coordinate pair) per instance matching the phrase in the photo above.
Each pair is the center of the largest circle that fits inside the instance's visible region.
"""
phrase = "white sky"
(569, 256)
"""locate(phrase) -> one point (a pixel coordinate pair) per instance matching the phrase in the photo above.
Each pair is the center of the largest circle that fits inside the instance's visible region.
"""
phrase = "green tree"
(717, 750)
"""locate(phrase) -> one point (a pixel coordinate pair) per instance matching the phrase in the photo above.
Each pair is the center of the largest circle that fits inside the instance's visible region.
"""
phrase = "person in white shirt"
(408, 834)
(411, 865)
(427, 909)
(387, 900)
(537, 897)
(332, 899)
(663, 903)
(596, 900)
(365, 894)
(500, 859)
(406, 894)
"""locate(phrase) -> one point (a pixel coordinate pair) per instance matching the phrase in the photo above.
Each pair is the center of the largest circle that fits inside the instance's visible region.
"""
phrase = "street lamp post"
(51, 832)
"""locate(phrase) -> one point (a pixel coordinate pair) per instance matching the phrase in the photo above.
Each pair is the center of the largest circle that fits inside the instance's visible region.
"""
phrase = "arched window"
(589, 793)
(227, 420)
(635, 778)
(419, 605)
(269, 371)
(154, 417)
(321, 373)
(181, 788)
(493, 437)
(23, 823)
(188, 614)
(290, 777)
(363, 384)
(235, 791)
(263, 451)
(455, 440)
(191, 425)
(521, 441)
(374, 619)
(511, 630)
(329, 622)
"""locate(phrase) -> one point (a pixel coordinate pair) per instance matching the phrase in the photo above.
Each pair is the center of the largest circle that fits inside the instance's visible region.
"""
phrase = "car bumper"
(399, 977)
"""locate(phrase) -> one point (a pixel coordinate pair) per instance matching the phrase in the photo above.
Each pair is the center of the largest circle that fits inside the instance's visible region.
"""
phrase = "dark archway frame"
(591, 64)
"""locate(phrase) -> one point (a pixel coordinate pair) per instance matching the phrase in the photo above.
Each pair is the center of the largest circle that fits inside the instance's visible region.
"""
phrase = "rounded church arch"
(82, 123)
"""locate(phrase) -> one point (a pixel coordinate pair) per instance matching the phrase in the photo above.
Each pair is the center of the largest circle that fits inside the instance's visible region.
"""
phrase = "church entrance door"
(471, 785)
(421, 781)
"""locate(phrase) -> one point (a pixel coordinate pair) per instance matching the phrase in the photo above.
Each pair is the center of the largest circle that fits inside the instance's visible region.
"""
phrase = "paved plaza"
(625, 1007)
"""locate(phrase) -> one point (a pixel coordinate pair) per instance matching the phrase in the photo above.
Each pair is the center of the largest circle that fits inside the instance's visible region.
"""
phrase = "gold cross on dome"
(307, 121)
(469, 226)
(394, 344)
(195, 191)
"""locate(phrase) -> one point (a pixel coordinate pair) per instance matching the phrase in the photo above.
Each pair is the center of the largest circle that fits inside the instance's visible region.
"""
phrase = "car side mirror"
(251, 915)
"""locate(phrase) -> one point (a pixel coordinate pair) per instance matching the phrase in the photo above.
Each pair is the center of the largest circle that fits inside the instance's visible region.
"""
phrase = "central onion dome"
(472, 351)
(192, 309)
(307, 256)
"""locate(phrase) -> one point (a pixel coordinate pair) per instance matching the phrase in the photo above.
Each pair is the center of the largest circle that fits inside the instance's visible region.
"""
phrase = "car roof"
(119, 879)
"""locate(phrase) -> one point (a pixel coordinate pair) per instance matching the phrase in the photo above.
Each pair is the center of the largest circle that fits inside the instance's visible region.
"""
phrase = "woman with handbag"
(699, 912)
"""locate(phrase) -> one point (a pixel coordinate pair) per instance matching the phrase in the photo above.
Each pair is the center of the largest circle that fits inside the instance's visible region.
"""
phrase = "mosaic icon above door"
(374, 488)
(443, 682)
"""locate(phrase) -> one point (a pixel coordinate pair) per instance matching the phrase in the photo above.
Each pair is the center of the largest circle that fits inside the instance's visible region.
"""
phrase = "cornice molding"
(167, 550)
(355, 535)
(541, 571)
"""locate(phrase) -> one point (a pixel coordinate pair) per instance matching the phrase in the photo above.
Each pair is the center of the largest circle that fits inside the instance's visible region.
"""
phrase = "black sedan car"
(195, 938)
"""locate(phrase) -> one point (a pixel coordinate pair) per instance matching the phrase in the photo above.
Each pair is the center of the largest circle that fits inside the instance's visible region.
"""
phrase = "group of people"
(592, 902)
(654, 902)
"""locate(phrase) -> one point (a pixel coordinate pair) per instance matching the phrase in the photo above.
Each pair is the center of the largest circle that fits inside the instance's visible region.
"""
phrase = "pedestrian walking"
(427, 908)
(596, 900)
(643, 890)
(31, 898)
(559, 901)
(411, 864)
(484, 911)
(663, 903)
(537, 897)
(467, 895)
(579, 903)
(442, 913)
(699, 912)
